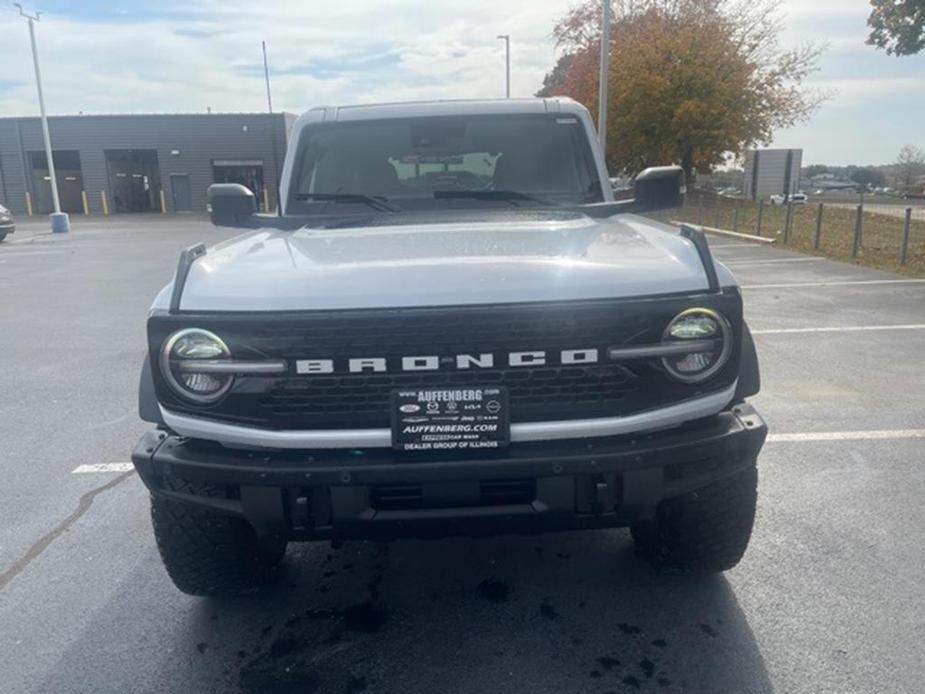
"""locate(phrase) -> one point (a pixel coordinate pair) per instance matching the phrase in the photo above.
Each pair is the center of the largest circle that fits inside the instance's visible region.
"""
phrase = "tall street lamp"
(59, 220)
(507, 45)
(605, 65)
(276, 172)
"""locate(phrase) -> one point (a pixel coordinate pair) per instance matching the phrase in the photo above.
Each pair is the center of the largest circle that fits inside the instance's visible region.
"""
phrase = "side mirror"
(231, 205)
(659, 188)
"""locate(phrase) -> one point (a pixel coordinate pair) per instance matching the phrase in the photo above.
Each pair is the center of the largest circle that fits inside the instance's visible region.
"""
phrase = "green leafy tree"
(816, 170)
(866, 176)
(897, 26)
(553, 80)
(690, 80)
(909, 167)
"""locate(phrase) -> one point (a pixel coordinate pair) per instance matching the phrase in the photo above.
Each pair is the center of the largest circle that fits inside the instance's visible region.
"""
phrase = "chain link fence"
(887, 233)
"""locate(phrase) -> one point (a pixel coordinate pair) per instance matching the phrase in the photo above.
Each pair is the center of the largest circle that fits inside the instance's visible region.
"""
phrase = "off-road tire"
(207, 553)
(704, 531)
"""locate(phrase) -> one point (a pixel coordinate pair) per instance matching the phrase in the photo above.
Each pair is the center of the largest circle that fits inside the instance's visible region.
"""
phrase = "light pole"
(59, 220)
(276, 173)
(605, 65)
(507, 46)
(266, 76)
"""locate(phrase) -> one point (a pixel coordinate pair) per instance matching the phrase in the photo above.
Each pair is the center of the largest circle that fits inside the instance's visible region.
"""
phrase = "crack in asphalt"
(86, 501)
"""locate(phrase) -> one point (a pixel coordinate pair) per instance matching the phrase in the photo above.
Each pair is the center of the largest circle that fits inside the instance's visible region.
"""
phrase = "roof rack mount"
(188, 256)
(696, 236)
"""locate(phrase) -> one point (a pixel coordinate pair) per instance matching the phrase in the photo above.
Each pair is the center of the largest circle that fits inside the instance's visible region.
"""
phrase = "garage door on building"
(134, 179)
(70, 181)
(247, 172)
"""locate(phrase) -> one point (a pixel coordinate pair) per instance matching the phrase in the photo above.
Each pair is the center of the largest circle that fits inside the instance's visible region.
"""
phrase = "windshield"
(426, 162)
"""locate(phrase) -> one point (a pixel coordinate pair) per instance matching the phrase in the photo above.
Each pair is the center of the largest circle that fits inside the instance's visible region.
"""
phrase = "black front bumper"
(527, 487)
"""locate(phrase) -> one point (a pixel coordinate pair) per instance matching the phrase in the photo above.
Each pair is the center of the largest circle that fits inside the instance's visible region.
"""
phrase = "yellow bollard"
(28, 203)
(266, 200)
(163, 202)
(83, 199)
(105, 202)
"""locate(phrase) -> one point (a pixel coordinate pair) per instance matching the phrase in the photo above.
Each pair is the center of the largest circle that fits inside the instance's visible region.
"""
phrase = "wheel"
(2, 236)
(704, 531)
(207, 553)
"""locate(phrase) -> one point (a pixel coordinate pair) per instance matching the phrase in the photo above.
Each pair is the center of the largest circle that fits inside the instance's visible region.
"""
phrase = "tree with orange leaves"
(691, 81)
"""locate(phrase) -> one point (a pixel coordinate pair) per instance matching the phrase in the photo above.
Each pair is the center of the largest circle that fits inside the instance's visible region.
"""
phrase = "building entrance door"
(180, 193)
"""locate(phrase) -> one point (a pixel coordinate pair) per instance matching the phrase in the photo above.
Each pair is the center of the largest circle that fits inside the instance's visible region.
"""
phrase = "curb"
(732, 234)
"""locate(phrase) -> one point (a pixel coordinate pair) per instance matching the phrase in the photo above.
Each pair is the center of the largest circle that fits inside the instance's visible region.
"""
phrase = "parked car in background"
(796, 199)
(621, 183)
(7, 226)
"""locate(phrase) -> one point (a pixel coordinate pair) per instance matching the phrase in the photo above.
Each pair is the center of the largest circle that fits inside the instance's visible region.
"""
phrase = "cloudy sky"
(114, 56)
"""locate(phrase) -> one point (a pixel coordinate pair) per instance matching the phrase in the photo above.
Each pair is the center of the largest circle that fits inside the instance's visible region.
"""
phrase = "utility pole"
(605, 66)
(266, 76)
(59, 220)
(507, 45)
(276, 172)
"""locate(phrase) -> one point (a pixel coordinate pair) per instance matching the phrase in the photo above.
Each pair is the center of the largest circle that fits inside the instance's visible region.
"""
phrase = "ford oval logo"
(410, 408)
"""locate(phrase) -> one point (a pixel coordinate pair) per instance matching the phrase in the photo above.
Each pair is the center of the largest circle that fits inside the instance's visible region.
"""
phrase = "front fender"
(749, 373)
(148, 408)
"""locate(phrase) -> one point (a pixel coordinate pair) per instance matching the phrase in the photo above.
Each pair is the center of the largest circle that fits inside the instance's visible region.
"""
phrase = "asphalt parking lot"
(829, 598)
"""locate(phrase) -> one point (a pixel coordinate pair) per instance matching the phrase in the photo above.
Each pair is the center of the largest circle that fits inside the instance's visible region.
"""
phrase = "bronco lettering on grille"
(567, 357)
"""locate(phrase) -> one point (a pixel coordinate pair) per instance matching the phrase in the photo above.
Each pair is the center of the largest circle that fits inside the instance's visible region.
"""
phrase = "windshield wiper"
(511, 196)
(377, 202)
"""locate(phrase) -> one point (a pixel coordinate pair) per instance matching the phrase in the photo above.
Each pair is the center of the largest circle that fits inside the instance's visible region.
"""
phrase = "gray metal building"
(140, 163)
(772, 172)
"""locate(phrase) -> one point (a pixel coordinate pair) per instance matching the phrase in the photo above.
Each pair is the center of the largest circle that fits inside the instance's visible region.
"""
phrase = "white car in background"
(795, 199)
(6, 222)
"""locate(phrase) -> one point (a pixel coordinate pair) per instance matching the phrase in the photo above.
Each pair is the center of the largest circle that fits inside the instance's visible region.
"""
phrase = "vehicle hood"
(505, 259)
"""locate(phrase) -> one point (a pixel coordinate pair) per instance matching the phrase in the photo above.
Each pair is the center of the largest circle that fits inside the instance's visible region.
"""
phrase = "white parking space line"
(733, 246)
(842, 329)
(775, 261)
(102, 467)
(844, 283)
(19, 253)
(847, 436)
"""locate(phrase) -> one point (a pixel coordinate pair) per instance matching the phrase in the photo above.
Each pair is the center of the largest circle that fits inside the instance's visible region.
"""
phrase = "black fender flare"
(148, 408)
(749, 372)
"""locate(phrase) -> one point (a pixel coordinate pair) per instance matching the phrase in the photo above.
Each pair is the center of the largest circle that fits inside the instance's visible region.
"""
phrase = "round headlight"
(713, 337)
(179, 357)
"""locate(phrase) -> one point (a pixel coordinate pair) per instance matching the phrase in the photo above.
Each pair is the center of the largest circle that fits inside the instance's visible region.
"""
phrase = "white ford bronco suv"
(450, 327)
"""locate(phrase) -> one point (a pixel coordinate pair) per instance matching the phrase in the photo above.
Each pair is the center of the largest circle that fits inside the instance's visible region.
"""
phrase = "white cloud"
(206, 53)
(851, 90)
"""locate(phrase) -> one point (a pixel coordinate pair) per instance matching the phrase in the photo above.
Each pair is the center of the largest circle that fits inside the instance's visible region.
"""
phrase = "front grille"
(402, 497)
(537, 393)
(533, 392)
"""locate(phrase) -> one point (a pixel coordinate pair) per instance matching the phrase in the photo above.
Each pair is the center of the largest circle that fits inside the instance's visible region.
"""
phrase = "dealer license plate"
(450, 419)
